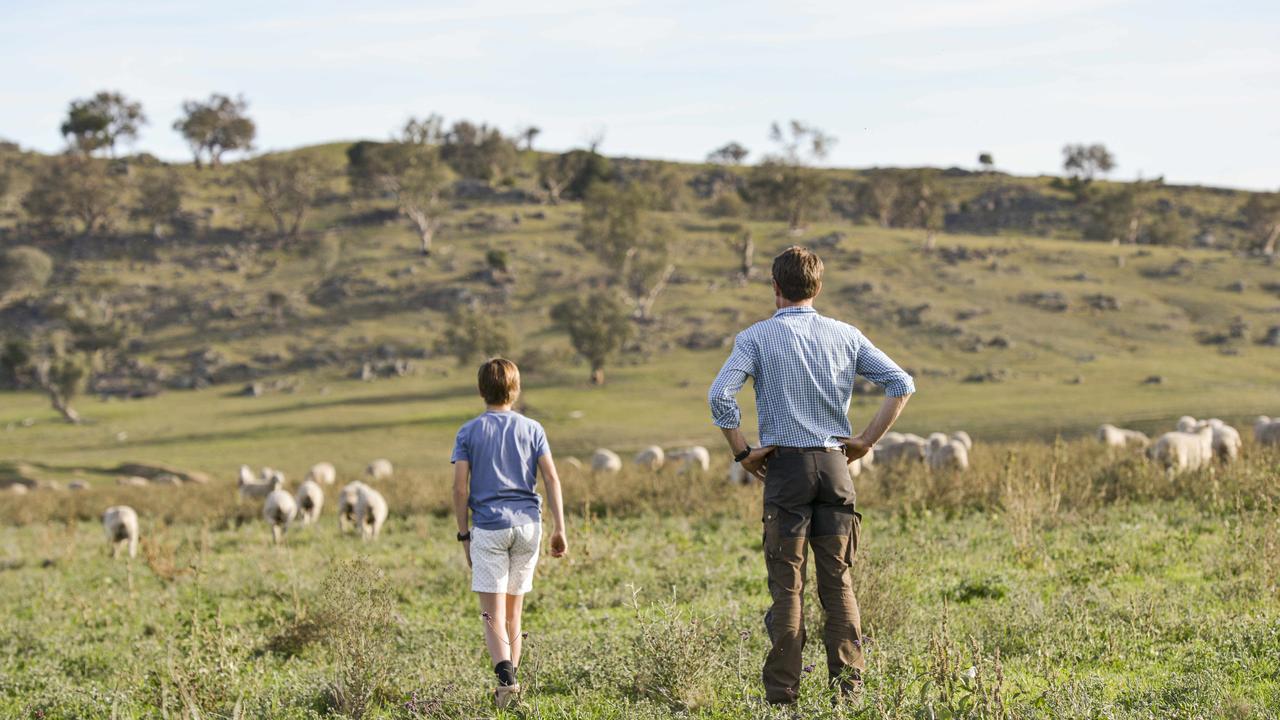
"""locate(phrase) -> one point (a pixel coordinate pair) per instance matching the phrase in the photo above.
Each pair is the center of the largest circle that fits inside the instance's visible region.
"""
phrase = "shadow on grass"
(392, 399)
(285, 432)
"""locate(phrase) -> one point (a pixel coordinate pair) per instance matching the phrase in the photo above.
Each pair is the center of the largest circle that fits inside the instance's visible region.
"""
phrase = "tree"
(738, 238)
(527, 134)
(76, 187)
(410, 170)
(287, 188)
(23, 270)
(474, 334)
(617, 228)
(1118, 215)
(478, 151)
(784, 184)
(62, 374)
(882, 191)
(987, 162)
(159, 200)
(732, 153)
(1083, 162)
(922, 201)
(101, 121)
(598, 327)
(571, 175)
(216, 126)
(1262, 216)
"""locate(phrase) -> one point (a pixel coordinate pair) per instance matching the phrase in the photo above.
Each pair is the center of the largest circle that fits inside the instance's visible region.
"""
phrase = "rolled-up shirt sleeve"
(723, 396)
(877, 367)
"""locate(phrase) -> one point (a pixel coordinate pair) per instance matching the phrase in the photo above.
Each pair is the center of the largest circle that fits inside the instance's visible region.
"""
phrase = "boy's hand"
(466, 550)
(559, 546)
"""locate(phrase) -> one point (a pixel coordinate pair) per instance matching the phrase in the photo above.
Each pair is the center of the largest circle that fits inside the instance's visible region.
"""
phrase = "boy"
(496, 460)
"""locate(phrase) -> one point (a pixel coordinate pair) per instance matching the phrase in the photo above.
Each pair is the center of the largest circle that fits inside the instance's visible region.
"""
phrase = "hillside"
(1009, 335)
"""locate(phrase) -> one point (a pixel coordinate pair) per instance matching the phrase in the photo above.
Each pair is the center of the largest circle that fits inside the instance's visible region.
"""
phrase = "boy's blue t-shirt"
(503, 449)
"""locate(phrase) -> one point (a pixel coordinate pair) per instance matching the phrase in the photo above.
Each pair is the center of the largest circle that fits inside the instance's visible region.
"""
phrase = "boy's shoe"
(504, 696)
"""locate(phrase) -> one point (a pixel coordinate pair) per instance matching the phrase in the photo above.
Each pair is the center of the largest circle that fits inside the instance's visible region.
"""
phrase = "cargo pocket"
(855, 535)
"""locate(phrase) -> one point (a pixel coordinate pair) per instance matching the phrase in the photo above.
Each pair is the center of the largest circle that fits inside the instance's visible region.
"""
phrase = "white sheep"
(692, 458)
(1182, 451)
(1266, 431)
(261, 488)
(650, 458)
(908, 448)
(1187, 424)
(121, 525)
(246, 476)
(738, 475)
(605, 460)
(323, 473)
(279, 510)
(574, 463)
(371, 513)
(310, 499)
(1226, 441)
(947, 455)
(1113, 436)
(379, 469)
(963, 438)
(348, 497)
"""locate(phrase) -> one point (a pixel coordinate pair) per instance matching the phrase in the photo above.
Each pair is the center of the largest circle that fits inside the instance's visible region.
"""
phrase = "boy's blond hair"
(499, 381)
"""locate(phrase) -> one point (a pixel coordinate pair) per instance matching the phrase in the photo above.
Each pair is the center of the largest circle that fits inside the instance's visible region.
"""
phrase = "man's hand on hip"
(855, 447)
(758, 461)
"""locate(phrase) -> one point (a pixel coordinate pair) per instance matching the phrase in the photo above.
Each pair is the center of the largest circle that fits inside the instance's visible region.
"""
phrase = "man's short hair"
(499, 381)
(798, 272)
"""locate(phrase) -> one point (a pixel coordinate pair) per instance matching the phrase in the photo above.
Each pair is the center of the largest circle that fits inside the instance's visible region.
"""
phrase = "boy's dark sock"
(506, 673)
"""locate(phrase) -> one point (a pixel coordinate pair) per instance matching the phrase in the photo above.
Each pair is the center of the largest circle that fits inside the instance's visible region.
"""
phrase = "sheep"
(1187, 424)
(1266, 431)
(261, 488)
(17, 489)
(324, 473)
(1226, 441)
(379, 469)
(1113, 436)
(279, 510)
(371, 513)
(937, 439)
(1181, 451)
(121, 525)
(132, 481)
(692, 458)
(310, 500)
(948, 455)
(574, 463)
(738, 475)
(348, 497)
(604, 460)
(650, 458)
(246, 476)
(963, 438)
(77, 485)
(911, 448)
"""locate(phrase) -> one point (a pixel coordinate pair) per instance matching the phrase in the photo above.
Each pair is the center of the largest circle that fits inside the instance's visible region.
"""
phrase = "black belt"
(798, 450)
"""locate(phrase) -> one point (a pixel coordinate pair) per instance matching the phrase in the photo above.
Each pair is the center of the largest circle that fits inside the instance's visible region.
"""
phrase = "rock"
(828, 241)
(132, 481)
(150, 471)
(1052, 301)
(1238, 286)
(77, 485)
(1099, 301)
(166, 479)
(908, 316)
(1154, 380)
(1272, 338)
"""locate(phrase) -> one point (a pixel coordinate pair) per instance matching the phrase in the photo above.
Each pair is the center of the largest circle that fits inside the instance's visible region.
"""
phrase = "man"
(803, 365)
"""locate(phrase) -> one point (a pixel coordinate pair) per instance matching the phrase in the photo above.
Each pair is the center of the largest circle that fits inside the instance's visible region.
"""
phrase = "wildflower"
(808, 668)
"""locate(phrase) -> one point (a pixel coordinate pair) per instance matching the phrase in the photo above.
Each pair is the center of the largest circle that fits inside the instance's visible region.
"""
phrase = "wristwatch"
(742, 455)
(463, 537)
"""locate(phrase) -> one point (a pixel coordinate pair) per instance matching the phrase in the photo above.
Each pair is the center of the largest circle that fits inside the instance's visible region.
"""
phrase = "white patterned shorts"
(502, 561)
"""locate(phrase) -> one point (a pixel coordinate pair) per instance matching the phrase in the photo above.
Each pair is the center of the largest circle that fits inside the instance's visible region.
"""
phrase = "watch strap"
(742, 455)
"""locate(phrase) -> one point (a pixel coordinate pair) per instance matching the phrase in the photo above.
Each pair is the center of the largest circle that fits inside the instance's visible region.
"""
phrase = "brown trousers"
(809, 500)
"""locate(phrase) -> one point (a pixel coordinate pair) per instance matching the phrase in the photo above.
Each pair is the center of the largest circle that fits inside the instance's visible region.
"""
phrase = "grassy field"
(1050, 582)
(1074, 582)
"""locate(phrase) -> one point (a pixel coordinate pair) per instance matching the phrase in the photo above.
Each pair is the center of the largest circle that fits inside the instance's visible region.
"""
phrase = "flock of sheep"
(1194, 444)
(360, 506)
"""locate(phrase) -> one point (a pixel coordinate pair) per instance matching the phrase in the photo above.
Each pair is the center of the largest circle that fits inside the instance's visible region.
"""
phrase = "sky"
(1188, 90)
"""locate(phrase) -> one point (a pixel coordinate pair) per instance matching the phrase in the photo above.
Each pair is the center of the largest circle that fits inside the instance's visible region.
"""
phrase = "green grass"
(1151, 610)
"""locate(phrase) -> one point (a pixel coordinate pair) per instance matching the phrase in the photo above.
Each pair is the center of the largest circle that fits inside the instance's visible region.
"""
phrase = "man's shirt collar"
(794, 309)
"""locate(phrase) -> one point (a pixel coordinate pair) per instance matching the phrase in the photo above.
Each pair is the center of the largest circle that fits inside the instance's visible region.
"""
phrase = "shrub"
(24, 269)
